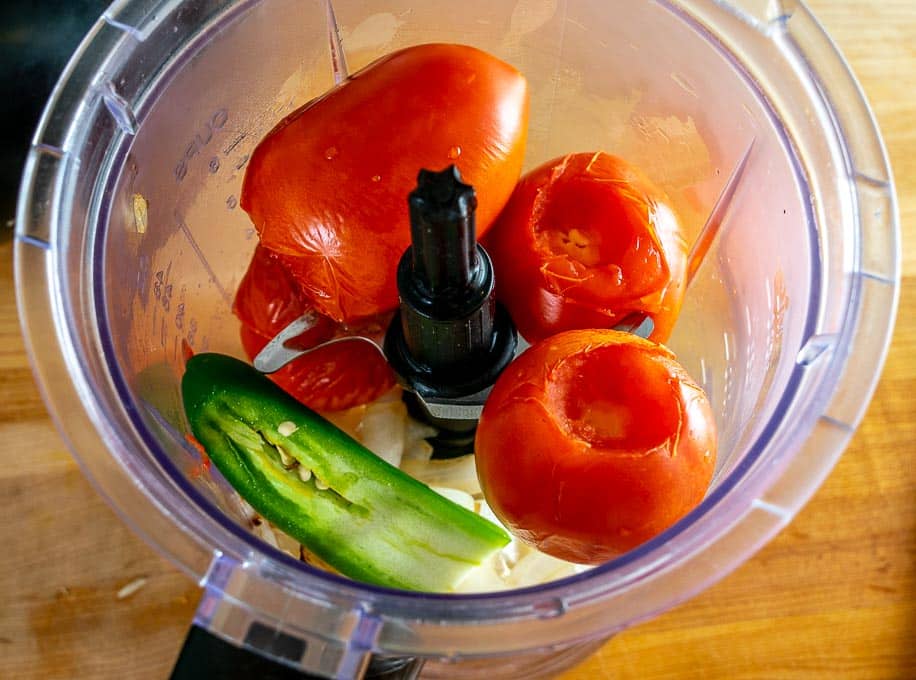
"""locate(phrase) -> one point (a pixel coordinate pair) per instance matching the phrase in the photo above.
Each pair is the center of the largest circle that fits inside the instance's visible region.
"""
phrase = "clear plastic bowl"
(130, 241)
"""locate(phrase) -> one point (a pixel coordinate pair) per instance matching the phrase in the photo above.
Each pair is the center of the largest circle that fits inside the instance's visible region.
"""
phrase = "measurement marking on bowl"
(162, 287)
(217, 121)
(335, 45)
(203, 260)
(179, 316)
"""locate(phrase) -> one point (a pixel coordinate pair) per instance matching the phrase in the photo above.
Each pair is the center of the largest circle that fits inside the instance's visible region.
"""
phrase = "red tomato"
(327, 188)
(268, 300)
(332, 378)
(592, 442)
(584, 242)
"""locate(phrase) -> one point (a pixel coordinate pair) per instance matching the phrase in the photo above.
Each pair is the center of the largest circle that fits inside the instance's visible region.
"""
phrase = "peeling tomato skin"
(589, 491)
(327, 188)
(585, 241)
(268, 300)
(332, 378)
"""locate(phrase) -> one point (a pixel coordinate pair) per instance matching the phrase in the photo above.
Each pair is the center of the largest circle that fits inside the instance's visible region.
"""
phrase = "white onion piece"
(462, 498)
(536, 567)
(420, 450)
(516, 549)
(394, 394)
(416, 446)
(417, 430)
(349, 420)
(484, 510)
(248, 512)
(482, 579)
(286, 543)
(384, 430)
(265, 532)
(455, 473)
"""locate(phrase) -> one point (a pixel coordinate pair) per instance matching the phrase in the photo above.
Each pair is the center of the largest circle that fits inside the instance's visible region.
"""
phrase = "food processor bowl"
(130, 243)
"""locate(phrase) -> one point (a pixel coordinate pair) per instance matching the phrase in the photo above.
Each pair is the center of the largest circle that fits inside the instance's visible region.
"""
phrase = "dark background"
(37, 38)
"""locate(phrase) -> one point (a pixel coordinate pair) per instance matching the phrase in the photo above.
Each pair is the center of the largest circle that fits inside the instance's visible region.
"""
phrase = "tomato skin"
(592, 442)
(332, 378)
(585, 241)
(268, 300)
(327, 188)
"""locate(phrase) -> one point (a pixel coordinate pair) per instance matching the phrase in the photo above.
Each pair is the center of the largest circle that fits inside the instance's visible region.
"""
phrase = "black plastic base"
(205, 656)
(469, 377)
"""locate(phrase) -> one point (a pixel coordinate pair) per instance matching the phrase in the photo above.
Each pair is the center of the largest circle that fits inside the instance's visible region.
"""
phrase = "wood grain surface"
(833, 596)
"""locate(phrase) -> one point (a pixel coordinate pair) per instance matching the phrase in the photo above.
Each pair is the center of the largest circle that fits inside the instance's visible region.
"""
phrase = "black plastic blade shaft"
(450, 339)
(443, 233)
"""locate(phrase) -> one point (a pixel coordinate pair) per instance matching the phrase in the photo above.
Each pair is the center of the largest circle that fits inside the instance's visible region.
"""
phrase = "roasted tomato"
(332, 378)
(327, 188)
(592, 442)
(268, 300)
(584, 242)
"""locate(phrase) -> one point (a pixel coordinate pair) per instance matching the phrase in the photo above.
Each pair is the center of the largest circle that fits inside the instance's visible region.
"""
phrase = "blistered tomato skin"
(327, 188)
(585, 241)
(593, 442)
(332, 378)
(268, 300)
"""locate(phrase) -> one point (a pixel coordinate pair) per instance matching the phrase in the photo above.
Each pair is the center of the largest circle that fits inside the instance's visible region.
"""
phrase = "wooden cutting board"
(833, 596)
